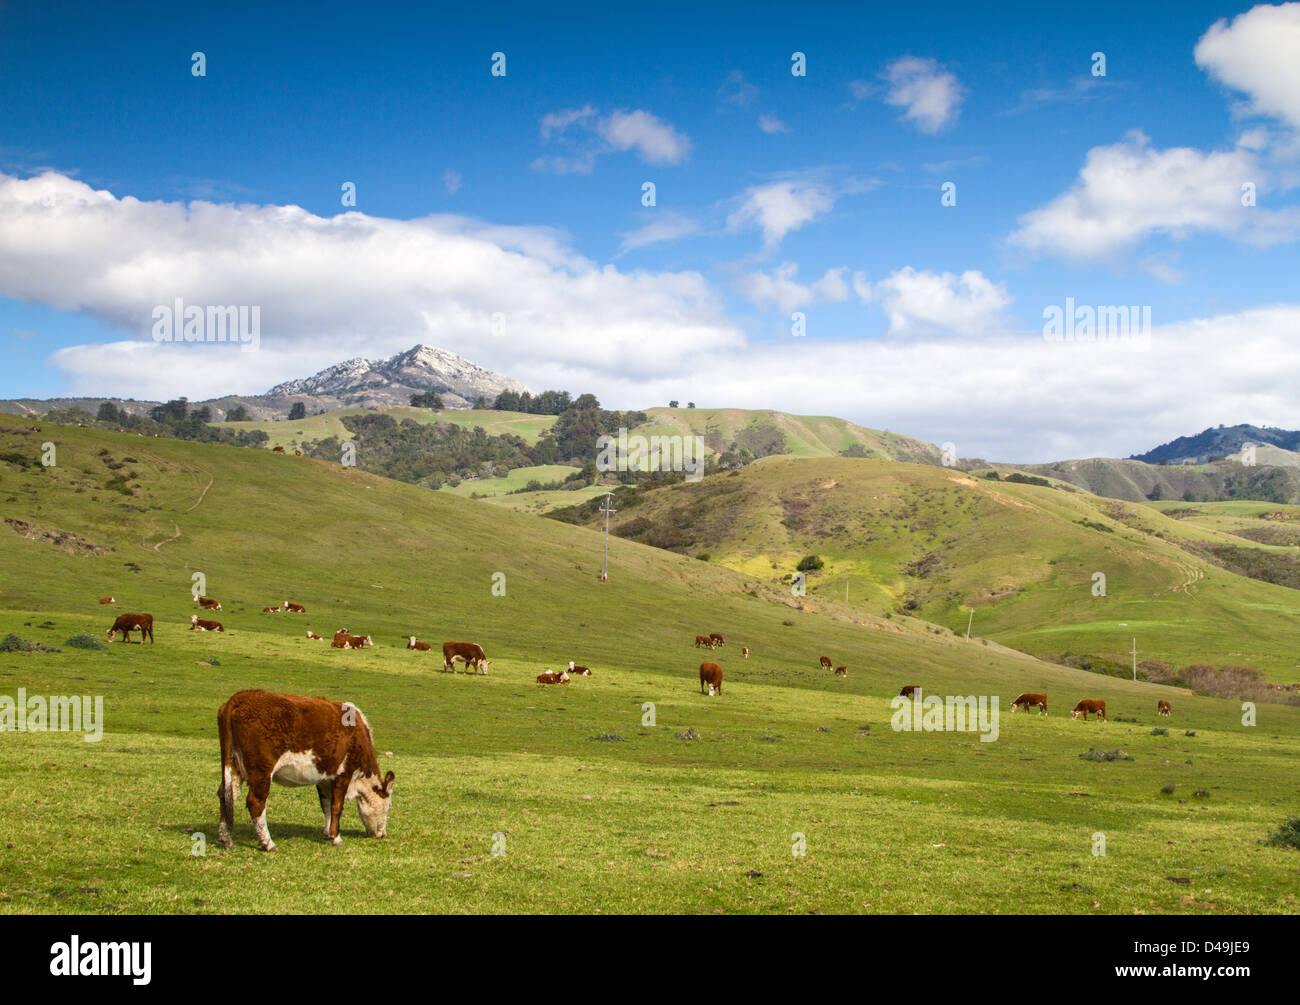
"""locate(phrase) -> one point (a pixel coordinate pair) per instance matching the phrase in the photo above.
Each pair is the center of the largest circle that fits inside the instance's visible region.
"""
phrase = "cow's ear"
(389, 779)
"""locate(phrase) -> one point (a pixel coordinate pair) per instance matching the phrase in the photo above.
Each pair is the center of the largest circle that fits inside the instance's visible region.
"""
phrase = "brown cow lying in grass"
(208, 604)
(293, 740)
(413, 643)
(128, 623)
(550, 677)
(198, 624)
(270, 610)
(293, 608)
(108, 600)
(578, 671)
(1027, 701)
(1089, 705)
(313, 635)
(710, 677)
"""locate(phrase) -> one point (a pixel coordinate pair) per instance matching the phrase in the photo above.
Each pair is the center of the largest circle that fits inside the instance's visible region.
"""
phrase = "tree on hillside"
(690, 404)
(298, 411)
(427, 399)
(107, 413)
(673, 403)
(237, 413)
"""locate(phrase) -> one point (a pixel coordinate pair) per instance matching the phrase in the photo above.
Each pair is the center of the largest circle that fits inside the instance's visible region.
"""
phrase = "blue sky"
(777, 193)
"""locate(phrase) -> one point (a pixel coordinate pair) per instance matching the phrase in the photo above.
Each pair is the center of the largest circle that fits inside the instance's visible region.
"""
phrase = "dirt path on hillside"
(211, 478)
(1191, 576)
(170, 539)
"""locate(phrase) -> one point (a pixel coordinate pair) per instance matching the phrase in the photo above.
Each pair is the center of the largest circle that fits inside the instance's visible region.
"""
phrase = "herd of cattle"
(295, 741)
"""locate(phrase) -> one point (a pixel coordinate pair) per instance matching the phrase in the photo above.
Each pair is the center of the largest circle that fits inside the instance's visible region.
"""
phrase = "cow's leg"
(259, 787)
(226, 794)
(338, 800)
(325, 790)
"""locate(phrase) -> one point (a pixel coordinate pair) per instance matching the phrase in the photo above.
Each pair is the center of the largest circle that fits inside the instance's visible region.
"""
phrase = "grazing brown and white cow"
(297, 453)
(1164, 708)
(313, 635)
(826, 663)
(108, 600)
(1028, 700)
(703, 641)
(551, 677)
(198, 624)
(469, 653)
(1089, 705)
(293, 608)
(744, 651)
(128, 623)
(270, 610)
(578, 671)
(716, 639)
(841, 671)
(413, 643)
(909, 691)
(293, 740)
(208, 604)
(710, 677)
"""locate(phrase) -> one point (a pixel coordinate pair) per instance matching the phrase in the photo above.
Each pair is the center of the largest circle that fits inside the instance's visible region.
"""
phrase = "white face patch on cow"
(295, 769)
(374, 799)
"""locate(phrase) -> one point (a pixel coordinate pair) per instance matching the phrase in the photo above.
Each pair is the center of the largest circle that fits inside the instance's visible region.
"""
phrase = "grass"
(893, 822)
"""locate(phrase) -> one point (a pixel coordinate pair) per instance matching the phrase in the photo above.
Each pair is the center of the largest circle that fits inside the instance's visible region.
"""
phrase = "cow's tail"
(226, 788)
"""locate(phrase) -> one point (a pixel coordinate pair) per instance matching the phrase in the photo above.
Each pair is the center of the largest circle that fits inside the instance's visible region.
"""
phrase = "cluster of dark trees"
(439, 453)
(174, 418)
(546, 403)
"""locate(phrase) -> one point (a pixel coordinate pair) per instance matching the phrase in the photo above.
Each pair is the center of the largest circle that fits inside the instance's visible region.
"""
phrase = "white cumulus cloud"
(930, 96)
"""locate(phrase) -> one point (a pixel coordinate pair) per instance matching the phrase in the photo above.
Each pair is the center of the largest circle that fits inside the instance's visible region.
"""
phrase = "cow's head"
(112, 634)
(712, 692)
(1074, 714)
(374, 800)
(194, 618)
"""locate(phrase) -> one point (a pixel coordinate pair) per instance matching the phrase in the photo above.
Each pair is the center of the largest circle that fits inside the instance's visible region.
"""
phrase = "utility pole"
(1135, 657)
(607, 507)
(970, 621)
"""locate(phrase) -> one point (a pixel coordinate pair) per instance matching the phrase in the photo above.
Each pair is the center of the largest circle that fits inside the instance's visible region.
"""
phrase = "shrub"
(810, 563)
(607, 738)
(84, 642)
(688, 734)
(1286, 836)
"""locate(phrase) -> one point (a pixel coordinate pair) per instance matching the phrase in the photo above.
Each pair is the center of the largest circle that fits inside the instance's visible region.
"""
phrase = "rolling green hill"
(941, 544)
(598, 807)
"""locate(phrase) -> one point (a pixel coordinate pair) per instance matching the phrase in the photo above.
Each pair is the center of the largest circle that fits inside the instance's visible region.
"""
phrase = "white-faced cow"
(716, 639)
(128, 623)
(826, 663)
(413, 643)
(469, 653)
(1164, 708)
(710, 678)
(744, 651)
(198, 624)
(551, 677)
(1030, 700)
(703, 642)
(841, 671)
(108, 600)
(578, 671)
(208, 604)
(313, 635)
(293, 740)
(1089, 705)
(293, 608)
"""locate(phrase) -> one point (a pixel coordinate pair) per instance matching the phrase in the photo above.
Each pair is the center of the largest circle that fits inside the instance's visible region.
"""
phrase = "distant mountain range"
(354, 383)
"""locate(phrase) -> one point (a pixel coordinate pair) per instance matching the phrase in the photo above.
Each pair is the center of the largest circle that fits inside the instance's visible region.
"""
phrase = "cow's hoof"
(225, 843)
(270, 846)
(336, 841)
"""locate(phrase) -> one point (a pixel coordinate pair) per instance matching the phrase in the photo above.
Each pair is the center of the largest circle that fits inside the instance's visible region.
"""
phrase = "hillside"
(1220, 442)
(941, 544)
(599, 809)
